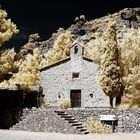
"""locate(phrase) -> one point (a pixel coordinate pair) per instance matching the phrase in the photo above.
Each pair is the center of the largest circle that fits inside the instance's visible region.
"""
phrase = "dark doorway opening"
(10, 108)
(75, 96)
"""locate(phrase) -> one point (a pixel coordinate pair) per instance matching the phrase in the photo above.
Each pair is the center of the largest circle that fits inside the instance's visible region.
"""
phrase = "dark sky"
(46, 16)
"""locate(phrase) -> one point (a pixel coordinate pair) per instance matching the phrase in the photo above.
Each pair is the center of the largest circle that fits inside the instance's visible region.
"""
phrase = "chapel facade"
(75, 78)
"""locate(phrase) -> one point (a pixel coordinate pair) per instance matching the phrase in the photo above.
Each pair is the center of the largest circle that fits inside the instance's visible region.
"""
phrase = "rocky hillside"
(120, 30)
(81, 28)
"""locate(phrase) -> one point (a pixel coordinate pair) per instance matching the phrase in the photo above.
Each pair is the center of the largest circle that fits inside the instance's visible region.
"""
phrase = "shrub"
(64, 104)
(94, 126)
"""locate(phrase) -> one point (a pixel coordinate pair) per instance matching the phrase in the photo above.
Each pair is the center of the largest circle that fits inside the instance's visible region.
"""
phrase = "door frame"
(73, 91)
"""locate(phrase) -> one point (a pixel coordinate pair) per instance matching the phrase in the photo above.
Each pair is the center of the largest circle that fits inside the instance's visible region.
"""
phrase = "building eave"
(75, 44)
(87, 59)
(55, 64)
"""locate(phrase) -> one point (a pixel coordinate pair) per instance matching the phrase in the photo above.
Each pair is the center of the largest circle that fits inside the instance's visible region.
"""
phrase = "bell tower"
(76, 51)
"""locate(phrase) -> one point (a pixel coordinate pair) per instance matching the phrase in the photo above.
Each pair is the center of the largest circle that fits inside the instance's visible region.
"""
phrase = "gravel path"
(24, 135)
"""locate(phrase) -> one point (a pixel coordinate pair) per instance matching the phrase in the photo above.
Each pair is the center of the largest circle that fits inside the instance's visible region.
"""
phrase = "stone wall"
(131, 120)
(128, 120)
(45, 120)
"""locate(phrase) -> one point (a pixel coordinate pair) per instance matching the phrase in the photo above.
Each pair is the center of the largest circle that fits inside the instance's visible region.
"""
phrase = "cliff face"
(90, 34)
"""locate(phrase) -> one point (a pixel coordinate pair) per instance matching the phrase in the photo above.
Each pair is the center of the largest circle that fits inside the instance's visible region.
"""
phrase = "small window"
(76, 49)
(91, 95)
(75, 75)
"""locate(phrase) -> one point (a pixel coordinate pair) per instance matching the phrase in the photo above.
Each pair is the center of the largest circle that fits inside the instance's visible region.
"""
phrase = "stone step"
(83, 129)
(59, 111)
(62, 114)
(76, 124)
(69, 119)
(72, 121)
(65, 116)
(79, 127)
(85, 132)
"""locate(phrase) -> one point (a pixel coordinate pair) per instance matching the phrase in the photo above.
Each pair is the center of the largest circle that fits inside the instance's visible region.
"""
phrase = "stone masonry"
(45, 120)
(57, 81)
(128, 119)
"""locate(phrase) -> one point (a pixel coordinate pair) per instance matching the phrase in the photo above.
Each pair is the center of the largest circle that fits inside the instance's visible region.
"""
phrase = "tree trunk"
(111, 102)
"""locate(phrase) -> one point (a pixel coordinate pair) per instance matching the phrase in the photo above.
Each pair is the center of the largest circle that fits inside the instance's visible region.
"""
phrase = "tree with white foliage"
(7, 28)
(61, 47)
(110, 78)
(7, 57)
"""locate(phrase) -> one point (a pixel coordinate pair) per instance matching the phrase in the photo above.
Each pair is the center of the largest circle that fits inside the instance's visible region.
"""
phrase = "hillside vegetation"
(112, 41)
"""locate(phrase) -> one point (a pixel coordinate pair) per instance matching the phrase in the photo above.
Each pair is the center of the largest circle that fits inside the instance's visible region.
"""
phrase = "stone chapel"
(75, 78)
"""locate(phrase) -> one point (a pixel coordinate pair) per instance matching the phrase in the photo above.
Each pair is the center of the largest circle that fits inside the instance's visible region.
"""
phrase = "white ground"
(23, 135)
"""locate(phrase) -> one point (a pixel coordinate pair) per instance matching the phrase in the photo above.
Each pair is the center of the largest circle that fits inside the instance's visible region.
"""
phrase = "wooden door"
(75, 96)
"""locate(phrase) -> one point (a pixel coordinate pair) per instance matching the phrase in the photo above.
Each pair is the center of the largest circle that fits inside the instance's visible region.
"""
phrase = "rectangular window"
(75, 75)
